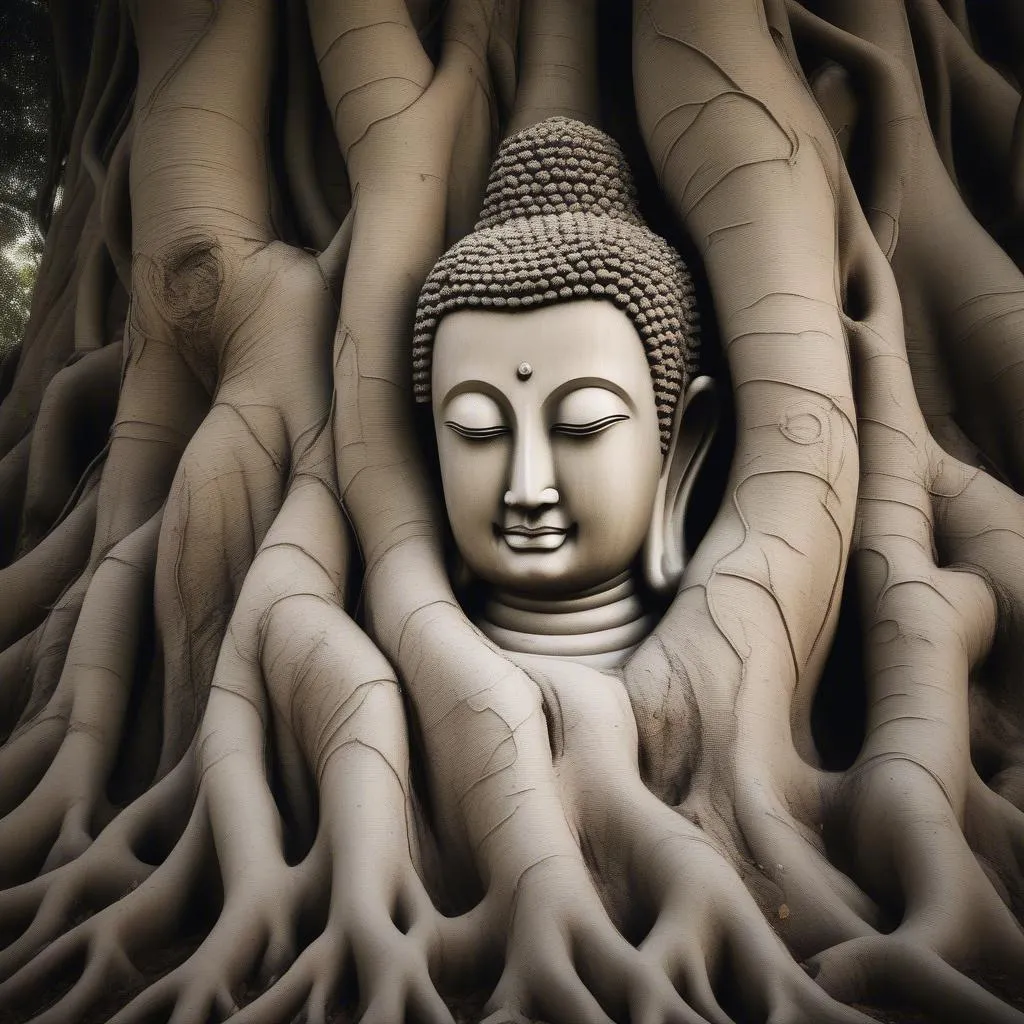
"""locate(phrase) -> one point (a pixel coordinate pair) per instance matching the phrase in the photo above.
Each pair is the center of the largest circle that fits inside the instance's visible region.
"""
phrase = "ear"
(693, 427)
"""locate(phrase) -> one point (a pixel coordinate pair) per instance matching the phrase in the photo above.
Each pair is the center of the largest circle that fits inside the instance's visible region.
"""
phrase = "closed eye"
(477, 433)
(587, 429)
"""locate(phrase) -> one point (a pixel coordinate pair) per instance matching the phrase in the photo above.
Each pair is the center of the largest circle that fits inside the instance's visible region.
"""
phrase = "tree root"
(46, 656)
(705, 951)
(995, 830)
(927, 627)
(35, 581)
(13, 477)
(284, 803)
(382, 931)
(265, 900)
(228, 488)
(848, 862)
(234, 475)
(123, 856)
(316, 220)
(56, 821)
(77, 408)
(95, 952)
(336, 697)
(970, 306)
(264, 897)
(115, 209)
(971, 101)
(885, 969)
(287, 627)
(14, 680)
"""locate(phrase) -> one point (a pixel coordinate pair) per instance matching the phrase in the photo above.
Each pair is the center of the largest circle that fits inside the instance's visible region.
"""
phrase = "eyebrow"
(480, 386)
(567, 387)
(579, 383)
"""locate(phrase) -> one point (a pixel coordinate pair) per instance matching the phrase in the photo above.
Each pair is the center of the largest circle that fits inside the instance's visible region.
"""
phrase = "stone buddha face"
(552, 343)
(549, 448)
(548, 440)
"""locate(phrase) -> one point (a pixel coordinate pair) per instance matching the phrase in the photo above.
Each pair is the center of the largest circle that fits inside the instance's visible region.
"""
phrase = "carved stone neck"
(599, 627)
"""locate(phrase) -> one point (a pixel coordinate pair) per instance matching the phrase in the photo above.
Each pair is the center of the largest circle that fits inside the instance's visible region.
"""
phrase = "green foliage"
(25, 88)
(19, 263)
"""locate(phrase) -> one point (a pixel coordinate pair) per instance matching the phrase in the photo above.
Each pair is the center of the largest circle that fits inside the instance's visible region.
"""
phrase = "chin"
(528, 572)
(546, 575)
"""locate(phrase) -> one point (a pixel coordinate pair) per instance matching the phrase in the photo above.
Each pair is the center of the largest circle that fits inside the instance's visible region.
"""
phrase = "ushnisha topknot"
(560, 222)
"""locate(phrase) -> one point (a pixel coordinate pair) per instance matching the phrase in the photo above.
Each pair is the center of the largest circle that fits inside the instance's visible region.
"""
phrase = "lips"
(533, 538)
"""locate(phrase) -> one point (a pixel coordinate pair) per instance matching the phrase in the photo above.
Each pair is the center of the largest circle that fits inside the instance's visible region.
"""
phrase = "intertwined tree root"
(257, 765)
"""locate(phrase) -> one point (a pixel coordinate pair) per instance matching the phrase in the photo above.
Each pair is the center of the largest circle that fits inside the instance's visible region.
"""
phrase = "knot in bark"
(190, 278)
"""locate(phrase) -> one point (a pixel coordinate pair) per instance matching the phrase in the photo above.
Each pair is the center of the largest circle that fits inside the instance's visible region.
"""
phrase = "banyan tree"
(258, 760)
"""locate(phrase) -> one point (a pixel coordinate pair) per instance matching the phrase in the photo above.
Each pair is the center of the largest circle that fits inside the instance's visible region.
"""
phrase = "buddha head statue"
(557, 346)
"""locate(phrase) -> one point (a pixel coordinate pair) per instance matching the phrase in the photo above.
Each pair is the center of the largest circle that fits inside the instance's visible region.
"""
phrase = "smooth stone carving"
(560, 343)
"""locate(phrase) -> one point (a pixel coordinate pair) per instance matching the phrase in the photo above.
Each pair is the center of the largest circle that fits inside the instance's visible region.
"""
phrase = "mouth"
(532, 538)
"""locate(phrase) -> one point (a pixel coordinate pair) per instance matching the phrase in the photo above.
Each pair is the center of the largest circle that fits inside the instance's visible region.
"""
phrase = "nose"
(532, 483)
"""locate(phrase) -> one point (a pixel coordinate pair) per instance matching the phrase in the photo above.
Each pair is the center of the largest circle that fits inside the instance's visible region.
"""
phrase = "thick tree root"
(35, 581)
(903, 803)
(382, 937)
(970, 306)
(288, 628)
(78, 407)
(995, 830)
(336, 697)
(705, 950)
(123, 856)
(58, 819)
(46, 654)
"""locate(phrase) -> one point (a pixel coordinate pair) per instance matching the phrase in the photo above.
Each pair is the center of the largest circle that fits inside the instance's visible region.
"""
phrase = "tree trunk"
(258, 765)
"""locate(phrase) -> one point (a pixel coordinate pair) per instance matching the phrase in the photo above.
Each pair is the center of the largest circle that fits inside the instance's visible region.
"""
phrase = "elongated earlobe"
(693, 428)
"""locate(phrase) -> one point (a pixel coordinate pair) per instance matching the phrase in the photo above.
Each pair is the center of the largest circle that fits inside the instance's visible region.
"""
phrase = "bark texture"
(257, 764)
